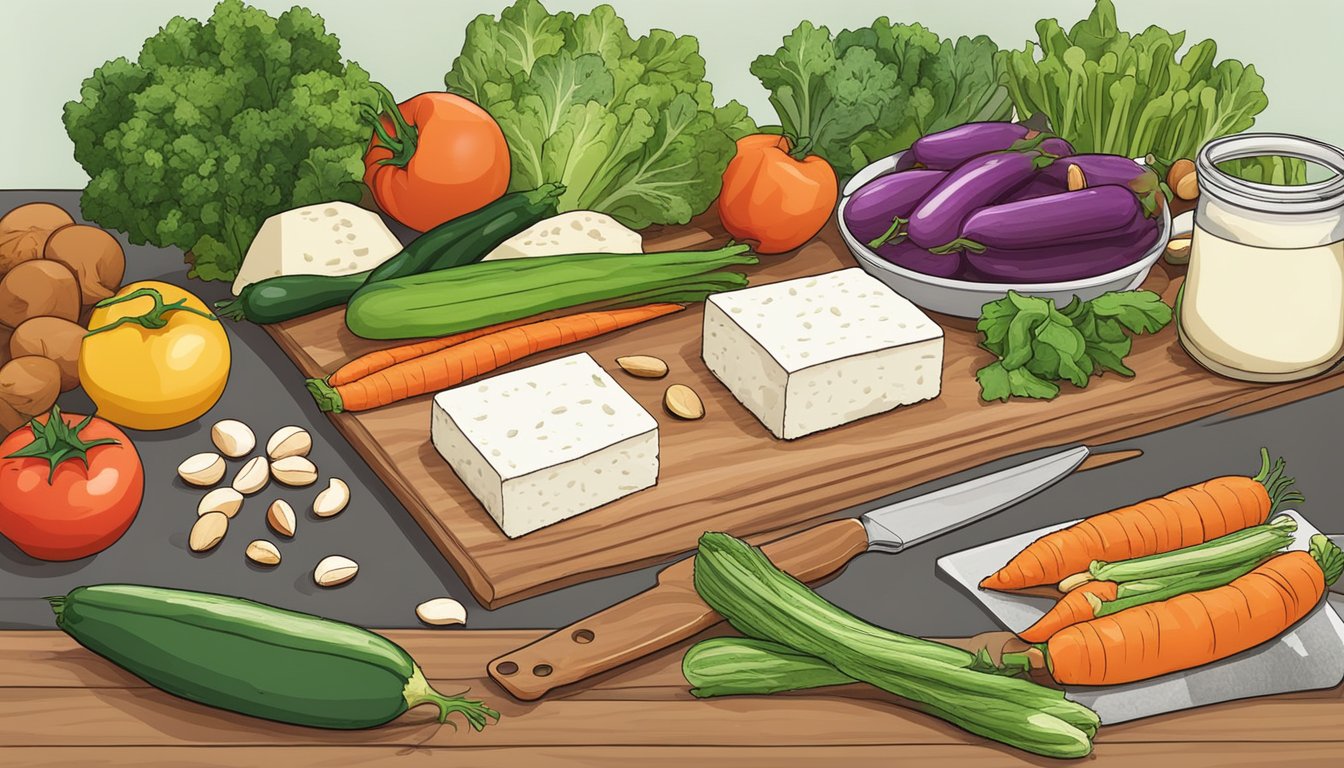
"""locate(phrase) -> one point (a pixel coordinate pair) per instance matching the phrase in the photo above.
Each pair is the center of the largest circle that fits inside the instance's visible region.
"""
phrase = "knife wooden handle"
(661, 616)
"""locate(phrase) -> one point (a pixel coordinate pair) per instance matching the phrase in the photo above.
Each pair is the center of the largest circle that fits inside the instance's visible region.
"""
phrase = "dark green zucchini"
(252, 658)
(464, 240)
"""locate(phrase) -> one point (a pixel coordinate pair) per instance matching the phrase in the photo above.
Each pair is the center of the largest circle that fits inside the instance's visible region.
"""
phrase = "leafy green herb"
(1106, 90)
(1038, 344)
(628, 125)
(866, 93)
(217, 126)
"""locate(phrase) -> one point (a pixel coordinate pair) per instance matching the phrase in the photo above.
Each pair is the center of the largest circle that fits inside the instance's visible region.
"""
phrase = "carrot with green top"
(1182, 518)
(420, 372)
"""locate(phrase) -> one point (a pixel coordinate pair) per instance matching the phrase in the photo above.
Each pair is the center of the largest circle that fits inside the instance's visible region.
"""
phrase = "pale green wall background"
(52, 45)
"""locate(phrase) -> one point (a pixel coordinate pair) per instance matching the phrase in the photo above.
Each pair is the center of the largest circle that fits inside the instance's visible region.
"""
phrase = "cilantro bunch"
(1038, 344)
(866, 93)
(215, 127)
(628, 125)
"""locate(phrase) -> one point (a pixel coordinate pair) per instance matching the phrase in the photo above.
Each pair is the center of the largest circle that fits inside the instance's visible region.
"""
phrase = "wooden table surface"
(62, 706)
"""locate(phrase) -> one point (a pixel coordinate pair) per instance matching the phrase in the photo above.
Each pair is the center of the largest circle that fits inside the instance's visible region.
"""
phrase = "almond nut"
(233, 438)
(334, 570)
(253, 476)
(263, 552)
(441, 611)
(643, 366)
(1178, 251)
(289, 441)
(1188, 187)
(1075, 178)
(202, 469)
(208, 531)
(225, 500)
(294, 471)
(332, 499)
(280, 516)
(682, 402)
(1177, 174)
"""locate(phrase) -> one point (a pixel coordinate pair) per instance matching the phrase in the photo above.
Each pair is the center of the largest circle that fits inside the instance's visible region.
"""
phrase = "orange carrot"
(1196, 628)
(1073, 608)
(453, 365)
(1182, 518)
(380, 359)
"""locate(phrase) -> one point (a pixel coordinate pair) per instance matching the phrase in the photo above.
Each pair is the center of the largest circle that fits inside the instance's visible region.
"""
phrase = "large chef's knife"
(671, 611)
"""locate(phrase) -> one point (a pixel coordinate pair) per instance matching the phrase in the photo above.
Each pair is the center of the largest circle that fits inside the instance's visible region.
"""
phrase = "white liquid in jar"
(1263, 314)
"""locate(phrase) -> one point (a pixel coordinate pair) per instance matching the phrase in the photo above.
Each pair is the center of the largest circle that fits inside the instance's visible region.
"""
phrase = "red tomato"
(773, 199)
(70, 509)
(437, 157)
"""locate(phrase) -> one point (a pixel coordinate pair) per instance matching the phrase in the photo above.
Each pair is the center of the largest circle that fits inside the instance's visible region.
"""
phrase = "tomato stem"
(801, 146)
(154, 318)
(57, 441)
(402, 142)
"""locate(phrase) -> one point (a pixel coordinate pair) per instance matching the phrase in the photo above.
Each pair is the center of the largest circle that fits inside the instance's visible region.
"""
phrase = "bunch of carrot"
(390, 375)
(1172, 583)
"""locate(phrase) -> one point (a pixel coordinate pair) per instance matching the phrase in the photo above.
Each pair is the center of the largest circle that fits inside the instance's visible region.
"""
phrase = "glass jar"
(1264, 295)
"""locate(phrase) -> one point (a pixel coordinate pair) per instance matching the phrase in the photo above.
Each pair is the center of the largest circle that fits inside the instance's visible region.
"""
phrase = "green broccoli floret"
(217, 126)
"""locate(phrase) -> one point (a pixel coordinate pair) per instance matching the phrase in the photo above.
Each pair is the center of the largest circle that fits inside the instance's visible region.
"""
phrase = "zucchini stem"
(418, 691)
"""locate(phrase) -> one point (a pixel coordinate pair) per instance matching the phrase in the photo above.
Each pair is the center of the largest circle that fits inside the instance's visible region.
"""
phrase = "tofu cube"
(817, 352)
(546, 443)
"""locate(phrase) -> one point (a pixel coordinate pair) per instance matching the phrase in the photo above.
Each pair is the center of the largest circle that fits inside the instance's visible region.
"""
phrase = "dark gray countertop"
(400, 568)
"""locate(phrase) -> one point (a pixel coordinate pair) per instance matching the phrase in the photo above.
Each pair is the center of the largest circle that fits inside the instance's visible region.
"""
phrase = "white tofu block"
(817, 352)
(546, 443)
(323, 239)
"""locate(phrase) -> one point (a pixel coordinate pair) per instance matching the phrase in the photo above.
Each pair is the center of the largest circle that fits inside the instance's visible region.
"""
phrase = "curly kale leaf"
(216, 126)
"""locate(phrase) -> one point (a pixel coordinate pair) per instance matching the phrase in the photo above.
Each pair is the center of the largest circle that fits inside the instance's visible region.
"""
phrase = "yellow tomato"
(154, 357)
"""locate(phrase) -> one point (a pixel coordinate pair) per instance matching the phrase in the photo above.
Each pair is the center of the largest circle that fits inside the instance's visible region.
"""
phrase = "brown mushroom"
(93, 255)
(38, 288)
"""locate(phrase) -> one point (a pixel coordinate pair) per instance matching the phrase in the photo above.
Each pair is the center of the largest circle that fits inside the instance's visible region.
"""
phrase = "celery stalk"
(1247, 545)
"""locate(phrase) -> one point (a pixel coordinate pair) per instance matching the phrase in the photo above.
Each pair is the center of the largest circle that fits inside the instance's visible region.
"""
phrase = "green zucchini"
(252, 658)
(439, 303)
(464, 240)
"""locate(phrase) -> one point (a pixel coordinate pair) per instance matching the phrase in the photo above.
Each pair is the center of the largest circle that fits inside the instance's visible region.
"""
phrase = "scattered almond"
(1188, 187)
(225, 500)
(332, 499)
(1178, 251)
(682, 402)
(643, 366)
(1182, 172)
(1075, 178)
(263, 552)
(280, 516)
(289, 441)
(253, 476)
(335, 570)
(233, 438)
(202, 469)
(441, 611)
(208, 531)
(294, 471)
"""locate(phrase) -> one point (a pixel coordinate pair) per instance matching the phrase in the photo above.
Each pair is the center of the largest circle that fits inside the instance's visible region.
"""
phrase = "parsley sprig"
(1038, 344)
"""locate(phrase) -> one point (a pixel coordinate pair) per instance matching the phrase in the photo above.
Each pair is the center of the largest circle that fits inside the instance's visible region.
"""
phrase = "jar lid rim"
(1317, 196)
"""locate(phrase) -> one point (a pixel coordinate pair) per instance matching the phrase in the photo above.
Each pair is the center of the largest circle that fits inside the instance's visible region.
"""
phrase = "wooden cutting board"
(727, 472)
(62, 706)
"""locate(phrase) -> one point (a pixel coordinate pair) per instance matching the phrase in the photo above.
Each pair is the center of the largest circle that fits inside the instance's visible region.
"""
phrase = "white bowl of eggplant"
(968, 214)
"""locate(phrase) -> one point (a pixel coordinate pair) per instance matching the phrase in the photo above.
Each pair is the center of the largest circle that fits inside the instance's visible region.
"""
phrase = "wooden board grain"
(727, 472)
(61, 705)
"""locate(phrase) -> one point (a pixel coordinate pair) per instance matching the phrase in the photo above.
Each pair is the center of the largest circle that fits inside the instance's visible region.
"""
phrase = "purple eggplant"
(974, 184)
(910, 256)
(1101, 170)
(1055, 147)
(1039, 186)
(1067, 217)
(946, 150)
(885, 203)
(1070, 261)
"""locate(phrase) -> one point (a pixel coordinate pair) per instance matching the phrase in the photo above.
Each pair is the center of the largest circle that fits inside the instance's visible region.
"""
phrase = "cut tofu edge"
(568, 233)
(333, 239)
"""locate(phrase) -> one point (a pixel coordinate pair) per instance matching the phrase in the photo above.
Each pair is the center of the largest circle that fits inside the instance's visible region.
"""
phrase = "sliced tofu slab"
(546, 443)
(817, 352)
(571, 232)
(324, 239)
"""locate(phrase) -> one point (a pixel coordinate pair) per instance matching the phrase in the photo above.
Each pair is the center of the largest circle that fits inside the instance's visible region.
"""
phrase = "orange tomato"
(772, 199)
(435, 157)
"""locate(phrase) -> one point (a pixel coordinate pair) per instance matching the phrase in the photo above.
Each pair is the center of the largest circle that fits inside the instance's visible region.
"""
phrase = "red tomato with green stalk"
(69, 488)
(775, 195)
(433, 158)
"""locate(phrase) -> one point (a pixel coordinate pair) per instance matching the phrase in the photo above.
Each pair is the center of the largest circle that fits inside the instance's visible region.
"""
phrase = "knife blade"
(671, 611)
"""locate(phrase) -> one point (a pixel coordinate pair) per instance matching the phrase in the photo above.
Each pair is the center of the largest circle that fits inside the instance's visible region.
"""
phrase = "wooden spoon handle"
(661, 616)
